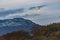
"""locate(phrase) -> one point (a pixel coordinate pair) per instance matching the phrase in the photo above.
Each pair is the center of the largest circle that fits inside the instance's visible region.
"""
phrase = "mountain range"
(48, 32)
(16, 24)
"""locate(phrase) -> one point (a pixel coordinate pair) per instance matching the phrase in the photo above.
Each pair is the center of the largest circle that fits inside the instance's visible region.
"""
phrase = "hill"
(49, 32)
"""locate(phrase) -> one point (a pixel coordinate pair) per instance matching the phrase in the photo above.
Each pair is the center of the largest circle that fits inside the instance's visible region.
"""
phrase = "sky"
(20, 9)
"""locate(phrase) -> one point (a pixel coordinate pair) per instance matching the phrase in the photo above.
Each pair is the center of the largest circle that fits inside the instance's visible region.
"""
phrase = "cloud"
(19, 14)
(5, 2)
(12, 11)
(24, 3)
(45, 15)
(34, 10)
(52, 1)
(13, 3)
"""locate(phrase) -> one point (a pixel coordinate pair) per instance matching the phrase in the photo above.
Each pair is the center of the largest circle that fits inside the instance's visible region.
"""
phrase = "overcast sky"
(48, 14)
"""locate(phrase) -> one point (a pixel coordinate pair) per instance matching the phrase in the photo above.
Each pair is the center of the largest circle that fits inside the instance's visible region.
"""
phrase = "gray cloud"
(37, 7)
(45, 16)
(19, 10)
(6, 12)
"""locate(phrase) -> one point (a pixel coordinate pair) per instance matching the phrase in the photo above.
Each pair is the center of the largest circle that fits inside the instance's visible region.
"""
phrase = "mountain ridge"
(10, 25)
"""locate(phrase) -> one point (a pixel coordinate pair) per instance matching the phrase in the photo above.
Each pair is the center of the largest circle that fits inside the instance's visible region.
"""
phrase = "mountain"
(16, 24)
(48, 32)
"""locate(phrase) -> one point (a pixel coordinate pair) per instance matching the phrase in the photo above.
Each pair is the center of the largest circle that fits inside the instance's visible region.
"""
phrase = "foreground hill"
(49, 32)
